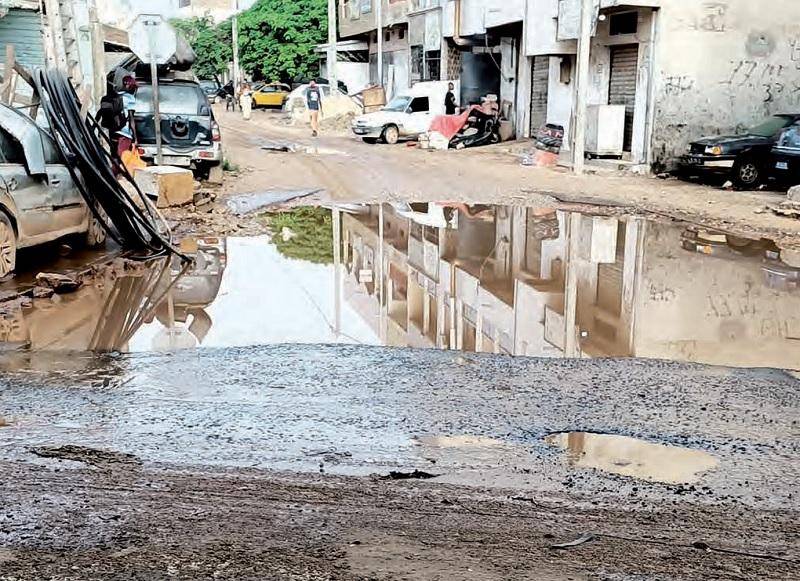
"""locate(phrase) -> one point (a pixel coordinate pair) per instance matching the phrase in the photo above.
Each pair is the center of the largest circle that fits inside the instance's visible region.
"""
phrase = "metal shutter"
(622, 91)
(540, 79)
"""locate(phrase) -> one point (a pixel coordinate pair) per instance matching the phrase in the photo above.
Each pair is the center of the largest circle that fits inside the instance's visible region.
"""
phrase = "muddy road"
(349, 171)
(243, 463)
(337, 399)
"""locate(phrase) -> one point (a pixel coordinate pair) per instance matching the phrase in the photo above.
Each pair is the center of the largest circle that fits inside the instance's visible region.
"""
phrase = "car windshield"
(173, 99)
(398, 104)
(771, 126)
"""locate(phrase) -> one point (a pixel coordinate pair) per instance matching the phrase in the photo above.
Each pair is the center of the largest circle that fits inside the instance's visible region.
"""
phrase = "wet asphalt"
(480, 420)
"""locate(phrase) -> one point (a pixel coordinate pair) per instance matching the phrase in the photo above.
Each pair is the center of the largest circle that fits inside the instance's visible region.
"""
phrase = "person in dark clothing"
(314, 104)
(450, 106)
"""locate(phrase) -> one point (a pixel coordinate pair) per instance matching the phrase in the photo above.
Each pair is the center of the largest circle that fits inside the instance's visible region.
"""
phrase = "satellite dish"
(152, 38)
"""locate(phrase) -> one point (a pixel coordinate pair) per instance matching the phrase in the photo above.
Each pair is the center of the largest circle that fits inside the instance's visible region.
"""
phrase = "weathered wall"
(723, 65)
(542, 29)
(478, 15)
(394, 12)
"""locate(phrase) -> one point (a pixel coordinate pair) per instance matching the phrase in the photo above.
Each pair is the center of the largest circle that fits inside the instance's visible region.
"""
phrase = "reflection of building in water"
(104, 315)
(538, 282)
(633, 458)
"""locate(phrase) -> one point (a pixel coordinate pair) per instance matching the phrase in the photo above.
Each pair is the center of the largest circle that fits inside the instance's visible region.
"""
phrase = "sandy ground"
(349, 170)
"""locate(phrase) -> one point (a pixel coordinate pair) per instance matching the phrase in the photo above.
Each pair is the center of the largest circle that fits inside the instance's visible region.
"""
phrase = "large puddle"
(478, 278)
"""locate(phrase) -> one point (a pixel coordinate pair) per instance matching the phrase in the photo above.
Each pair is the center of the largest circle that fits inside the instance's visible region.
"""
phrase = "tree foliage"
(211, 44)
(276, 40)
(310, 234)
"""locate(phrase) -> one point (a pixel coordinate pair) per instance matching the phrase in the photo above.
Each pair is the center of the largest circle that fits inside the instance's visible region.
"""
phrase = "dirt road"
(349, 170)
(175, 466)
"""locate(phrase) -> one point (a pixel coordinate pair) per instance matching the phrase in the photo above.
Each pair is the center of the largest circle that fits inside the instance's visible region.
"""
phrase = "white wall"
(121, 13)
(559, 98)
(722, 66)
(477, 15)
(541, 36)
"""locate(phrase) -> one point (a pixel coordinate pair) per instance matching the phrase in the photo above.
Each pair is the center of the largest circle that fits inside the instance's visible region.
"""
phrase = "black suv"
(190, 135)
(745, 158)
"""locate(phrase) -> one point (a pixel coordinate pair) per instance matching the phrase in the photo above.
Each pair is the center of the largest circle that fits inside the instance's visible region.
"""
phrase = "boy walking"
(314, 104)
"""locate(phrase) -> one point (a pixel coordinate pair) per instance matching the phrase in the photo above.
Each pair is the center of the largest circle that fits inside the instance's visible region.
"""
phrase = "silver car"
(39, 202)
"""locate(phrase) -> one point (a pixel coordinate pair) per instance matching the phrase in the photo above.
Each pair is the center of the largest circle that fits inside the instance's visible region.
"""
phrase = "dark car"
(190, 135)
(210, 88)
(744, 158)
(785, 162)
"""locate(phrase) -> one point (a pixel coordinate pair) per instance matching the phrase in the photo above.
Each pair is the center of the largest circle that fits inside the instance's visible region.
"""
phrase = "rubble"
(170, 186)
(59, 283)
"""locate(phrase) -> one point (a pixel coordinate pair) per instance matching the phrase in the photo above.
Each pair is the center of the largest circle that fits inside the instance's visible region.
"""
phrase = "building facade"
(676, 70)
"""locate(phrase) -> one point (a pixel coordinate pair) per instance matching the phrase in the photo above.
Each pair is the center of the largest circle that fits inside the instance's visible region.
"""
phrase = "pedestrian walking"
(246, 102)
(314, 104)
(450, 106)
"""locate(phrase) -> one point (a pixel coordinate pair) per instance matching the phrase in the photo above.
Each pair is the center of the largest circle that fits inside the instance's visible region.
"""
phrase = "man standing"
(450, 100)
(125, 136)
(314, 104)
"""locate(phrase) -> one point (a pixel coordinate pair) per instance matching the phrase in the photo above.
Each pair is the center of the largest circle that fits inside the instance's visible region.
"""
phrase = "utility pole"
(235, 38)
(379, 19)
(581, 99)
(333, 77)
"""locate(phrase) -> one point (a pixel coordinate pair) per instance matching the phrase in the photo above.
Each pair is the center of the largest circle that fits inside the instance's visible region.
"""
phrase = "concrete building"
(681, 69)
(358, 22)
(674, 70)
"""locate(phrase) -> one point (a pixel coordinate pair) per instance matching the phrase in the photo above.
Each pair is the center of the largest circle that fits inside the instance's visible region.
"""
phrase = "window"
(417, 62)
(366, 6)
(401, 34)
(174, 99)
(433, 62)
(398, 104)
(10, 149)
(771, 126)
(387, 36)
(420, 105)
(625, 23)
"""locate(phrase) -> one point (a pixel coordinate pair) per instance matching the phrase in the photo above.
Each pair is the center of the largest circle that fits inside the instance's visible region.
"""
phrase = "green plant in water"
(303, 234)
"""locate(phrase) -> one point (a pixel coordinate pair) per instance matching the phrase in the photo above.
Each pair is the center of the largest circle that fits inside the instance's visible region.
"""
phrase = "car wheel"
(8, 246)
(746, 174)
(370, 140)
(96, 233)
(391, 135)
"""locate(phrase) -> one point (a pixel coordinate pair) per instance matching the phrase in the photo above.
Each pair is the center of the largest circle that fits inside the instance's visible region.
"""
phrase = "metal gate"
(622, 90)
(540, 79)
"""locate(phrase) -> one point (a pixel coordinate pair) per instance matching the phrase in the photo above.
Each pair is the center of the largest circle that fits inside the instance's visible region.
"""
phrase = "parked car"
(39, 202)
(408, 115)
(271, 95)
(785, 162)
(744, 158)
(189, 133)
(298, 95)
(210, 88)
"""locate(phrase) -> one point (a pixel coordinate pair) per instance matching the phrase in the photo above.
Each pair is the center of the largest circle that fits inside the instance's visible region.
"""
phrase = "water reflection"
(107, 314)
(633, 458)
(541, 282)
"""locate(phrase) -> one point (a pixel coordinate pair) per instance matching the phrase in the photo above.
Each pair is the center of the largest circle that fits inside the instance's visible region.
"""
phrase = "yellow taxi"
(271, 95)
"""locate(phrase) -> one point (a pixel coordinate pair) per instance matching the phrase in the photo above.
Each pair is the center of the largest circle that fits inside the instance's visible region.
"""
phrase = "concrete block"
(794, 194)
(171, 186)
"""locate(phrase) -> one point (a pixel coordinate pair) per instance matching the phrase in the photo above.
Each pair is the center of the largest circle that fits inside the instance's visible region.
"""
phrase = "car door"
(29, 197)
(419, 116)
(67, 201)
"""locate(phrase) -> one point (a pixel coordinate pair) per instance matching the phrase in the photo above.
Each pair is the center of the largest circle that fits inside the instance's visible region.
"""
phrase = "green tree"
(211, 44)
(277, 38)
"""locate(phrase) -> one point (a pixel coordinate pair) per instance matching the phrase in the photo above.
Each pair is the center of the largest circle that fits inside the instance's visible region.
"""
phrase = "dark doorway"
(480, 76)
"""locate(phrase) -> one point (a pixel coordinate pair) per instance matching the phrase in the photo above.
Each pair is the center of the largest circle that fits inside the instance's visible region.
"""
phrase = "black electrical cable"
(94, 170)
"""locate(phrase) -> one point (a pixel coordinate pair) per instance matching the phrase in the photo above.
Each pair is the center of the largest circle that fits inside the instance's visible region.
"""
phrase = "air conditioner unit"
(605, 130)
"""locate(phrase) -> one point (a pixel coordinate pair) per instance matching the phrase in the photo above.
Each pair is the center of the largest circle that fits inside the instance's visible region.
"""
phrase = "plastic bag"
(132, 161)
